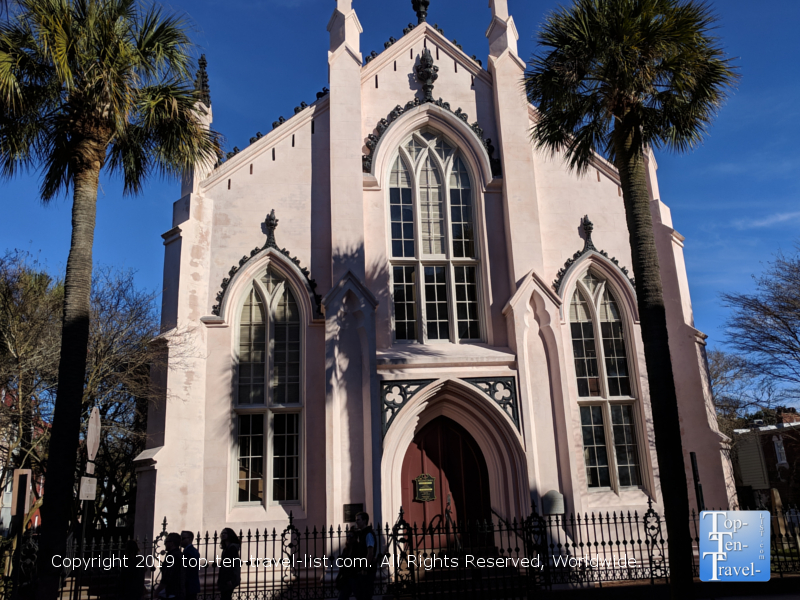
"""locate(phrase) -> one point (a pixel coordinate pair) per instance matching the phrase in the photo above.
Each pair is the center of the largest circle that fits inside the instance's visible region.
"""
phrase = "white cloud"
(768, 221)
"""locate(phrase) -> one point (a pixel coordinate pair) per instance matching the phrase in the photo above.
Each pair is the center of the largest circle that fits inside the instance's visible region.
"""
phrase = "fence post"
(535, 535)
(289, 545)
(654, 543)
(400, 543)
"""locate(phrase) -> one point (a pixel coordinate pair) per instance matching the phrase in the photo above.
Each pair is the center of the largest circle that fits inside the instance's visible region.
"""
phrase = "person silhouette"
(192, 564)
(229, 575)
(364, 581)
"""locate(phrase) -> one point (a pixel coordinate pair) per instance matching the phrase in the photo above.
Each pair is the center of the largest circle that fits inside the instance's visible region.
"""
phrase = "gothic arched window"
(606, 402)
(269, 393)
(434, 263)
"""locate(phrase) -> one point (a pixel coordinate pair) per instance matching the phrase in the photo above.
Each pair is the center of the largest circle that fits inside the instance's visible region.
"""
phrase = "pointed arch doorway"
(445, 450)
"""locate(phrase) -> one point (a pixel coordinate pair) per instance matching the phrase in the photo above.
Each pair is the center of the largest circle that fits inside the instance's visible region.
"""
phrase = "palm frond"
(654, 63)
(166, 137)
(108, 73)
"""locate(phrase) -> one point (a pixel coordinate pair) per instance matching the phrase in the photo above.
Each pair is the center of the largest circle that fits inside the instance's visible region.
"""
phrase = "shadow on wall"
(352, 332)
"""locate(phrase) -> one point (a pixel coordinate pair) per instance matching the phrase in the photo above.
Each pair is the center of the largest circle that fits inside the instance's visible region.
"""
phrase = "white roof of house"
(777, 427)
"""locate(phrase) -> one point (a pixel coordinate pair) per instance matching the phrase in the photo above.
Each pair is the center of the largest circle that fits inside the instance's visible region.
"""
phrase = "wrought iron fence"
(497, 558)
(596, 548)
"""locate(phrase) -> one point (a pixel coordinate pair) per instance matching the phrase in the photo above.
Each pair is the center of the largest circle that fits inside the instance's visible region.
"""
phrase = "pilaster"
(524, 239)
(352, 446)
(179, 465)
(190, 183)
(347, 197)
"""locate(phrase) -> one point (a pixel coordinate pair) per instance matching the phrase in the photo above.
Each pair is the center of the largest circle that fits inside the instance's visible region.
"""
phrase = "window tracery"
(269, 393)
(434, 262)
(607, 405)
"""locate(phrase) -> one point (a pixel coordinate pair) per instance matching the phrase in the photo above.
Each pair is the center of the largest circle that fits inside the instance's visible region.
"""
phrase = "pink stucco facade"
(334, 212)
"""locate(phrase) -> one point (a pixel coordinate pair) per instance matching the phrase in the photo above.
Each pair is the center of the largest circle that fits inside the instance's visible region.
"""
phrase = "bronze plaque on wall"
(350, 512)
(425, 488)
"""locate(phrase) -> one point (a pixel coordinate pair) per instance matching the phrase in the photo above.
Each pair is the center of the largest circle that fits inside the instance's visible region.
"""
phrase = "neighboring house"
(434, 302)
(6, 488)
(768, 456)
(8, 440)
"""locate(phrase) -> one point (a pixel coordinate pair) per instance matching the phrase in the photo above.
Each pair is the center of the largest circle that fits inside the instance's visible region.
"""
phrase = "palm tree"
(87, 86)
(617, 77)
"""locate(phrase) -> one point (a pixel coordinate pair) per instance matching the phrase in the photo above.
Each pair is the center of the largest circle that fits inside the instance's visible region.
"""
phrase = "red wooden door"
(449, 453)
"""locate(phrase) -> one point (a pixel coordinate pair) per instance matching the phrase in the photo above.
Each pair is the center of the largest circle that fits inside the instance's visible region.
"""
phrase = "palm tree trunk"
(630, 163)
(62, 459)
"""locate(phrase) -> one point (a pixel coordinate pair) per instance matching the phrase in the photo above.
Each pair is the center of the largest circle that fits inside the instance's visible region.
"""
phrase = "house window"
(435, 275)
(606, 402)
(269, 393)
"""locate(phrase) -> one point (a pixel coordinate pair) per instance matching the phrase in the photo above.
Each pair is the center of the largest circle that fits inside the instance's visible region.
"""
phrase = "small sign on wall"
(350, 512)
(88, 488)
(425, 488)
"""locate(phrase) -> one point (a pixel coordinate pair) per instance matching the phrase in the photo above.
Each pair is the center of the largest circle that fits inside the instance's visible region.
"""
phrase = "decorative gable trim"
(384, 124)
(413, 37)
(261, 145)
(588, 248)
(271, 224)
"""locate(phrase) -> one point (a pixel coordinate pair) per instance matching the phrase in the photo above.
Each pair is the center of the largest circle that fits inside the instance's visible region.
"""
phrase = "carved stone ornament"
(201, 86)
(384, 124)
(502, 391)
(427, 73)
(395, 395)
(421, 8)
(588, 246)
(270, 224)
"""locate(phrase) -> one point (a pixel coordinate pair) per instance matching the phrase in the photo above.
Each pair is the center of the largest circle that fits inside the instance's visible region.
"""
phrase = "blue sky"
(736, 199)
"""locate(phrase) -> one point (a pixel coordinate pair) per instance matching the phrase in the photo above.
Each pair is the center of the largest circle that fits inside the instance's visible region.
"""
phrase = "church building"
(393, 299)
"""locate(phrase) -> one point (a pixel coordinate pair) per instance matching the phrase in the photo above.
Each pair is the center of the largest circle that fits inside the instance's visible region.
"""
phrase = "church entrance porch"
(454, 432)
(444, 478)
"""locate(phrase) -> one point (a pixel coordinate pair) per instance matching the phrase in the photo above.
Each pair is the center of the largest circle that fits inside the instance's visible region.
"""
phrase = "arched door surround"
(493, 431)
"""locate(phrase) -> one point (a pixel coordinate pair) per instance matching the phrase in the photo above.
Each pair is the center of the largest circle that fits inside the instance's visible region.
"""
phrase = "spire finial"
(588, 227)
(421, 8)
(271, 223)
(201, 81)
(427, 74)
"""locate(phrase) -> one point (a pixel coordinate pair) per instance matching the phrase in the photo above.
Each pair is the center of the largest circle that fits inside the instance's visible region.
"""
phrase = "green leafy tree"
(89, 86)
(617, 77)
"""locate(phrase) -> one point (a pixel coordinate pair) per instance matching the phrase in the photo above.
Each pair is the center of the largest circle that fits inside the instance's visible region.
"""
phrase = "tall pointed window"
(435, 275)
(606, 402)
(269, 394)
